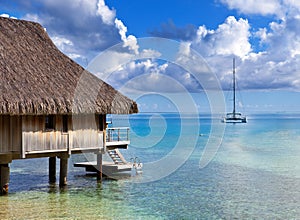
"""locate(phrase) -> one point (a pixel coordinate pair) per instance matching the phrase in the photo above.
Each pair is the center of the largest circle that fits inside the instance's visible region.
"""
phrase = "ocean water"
(255, 174)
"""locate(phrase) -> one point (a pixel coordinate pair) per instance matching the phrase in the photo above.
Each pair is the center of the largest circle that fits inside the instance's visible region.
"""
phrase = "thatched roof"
(36, 78)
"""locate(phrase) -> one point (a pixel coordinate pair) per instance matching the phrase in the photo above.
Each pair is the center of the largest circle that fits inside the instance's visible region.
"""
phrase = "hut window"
(49, 122)
(65, 123)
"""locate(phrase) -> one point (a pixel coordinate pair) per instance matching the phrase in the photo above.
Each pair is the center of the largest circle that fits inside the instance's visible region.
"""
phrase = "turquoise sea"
(255, 174)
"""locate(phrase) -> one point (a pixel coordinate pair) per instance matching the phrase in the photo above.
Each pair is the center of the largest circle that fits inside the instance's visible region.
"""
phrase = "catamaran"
(234, 117)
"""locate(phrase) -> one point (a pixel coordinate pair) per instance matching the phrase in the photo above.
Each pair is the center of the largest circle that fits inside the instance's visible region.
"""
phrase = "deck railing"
(117, 134)
(54, 141)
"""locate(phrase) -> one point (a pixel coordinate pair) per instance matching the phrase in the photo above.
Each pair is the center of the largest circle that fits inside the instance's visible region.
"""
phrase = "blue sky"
(263, 36)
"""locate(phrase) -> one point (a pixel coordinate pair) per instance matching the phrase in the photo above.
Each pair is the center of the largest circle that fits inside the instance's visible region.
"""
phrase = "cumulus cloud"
(143, 75)
(130, 41)
(7, 16)
(292, 4)
(282, 38)
(266, 7)
(231, 37)
(105, 13)
(278, 8)
(151, 75)
(275, 67)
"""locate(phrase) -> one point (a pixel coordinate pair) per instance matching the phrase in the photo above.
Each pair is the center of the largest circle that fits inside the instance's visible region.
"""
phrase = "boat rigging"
(234, 116)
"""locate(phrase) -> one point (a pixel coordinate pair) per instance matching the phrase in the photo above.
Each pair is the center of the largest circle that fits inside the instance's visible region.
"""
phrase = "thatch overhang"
(37, 79)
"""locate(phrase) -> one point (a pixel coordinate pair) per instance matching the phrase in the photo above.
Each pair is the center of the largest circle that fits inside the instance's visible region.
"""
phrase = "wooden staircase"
(118, 165)
(116, 156)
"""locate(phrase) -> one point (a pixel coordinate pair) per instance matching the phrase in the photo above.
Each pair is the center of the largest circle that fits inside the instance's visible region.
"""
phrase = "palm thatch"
(36, 78)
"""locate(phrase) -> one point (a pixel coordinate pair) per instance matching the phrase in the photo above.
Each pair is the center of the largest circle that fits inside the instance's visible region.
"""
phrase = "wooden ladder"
(116, 156)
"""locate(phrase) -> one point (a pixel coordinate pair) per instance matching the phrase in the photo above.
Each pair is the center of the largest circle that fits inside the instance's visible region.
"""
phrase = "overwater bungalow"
(50, 106)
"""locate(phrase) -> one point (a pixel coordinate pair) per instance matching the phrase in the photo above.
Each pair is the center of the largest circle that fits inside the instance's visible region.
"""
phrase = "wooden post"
(63, 170)
(4, 178)
(52, 169)
(99, 167)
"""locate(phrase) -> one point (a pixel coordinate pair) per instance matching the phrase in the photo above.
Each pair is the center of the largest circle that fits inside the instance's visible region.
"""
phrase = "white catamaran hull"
(234, 120)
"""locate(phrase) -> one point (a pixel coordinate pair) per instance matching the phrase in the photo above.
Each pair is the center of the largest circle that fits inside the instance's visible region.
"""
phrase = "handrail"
(115, 128)
(117, 134)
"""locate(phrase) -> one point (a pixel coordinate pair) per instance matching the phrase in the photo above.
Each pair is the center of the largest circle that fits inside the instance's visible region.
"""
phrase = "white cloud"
(33, 17)
(261, 34)
(184, 49)
(265, 7)
(142, 75)
(282, 39)
(130, 41)
(74, 56)
(107, 15)
(7, 16)
(67, 46)
(150, 75)
(231, 37)
(61, 42)
(150, 53)
(294, 4)
(279, 8)
(122, 29)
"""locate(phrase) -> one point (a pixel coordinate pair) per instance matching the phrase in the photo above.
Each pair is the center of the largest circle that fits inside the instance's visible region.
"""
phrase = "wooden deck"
(108, 168)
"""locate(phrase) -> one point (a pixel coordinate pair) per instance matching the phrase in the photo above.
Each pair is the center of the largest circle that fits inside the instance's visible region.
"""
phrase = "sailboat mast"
(234, 117)
(233, 71)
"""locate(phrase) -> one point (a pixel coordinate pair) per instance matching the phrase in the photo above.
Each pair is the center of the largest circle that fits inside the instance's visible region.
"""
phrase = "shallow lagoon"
(255, 174)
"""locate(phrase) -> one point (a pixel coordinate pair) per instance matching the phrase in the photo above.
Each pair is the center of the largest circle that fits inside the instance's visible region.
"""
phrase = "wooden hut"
(49, 105)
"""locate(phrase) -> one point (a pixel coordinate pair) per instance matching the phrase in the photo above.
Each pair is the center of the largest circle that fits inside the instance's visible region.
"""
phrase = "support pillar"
(52, 169)
(4, 178)
(63, 171)
(99, 167)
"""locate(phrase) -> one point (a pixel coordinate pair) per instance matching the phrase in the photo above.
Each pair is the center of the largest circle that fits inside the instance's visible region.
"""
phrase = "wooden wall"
(36, 138)
(27, 134)
(10, 134)
(86, 132)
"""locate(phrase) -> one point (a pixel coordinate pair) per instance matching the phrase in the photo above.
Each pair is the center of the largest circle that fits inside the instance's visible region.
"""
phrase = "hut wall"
(27, 134)
(83, 134)
(36, 137)
(4, 134)
(86, 132)
(10, 134)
